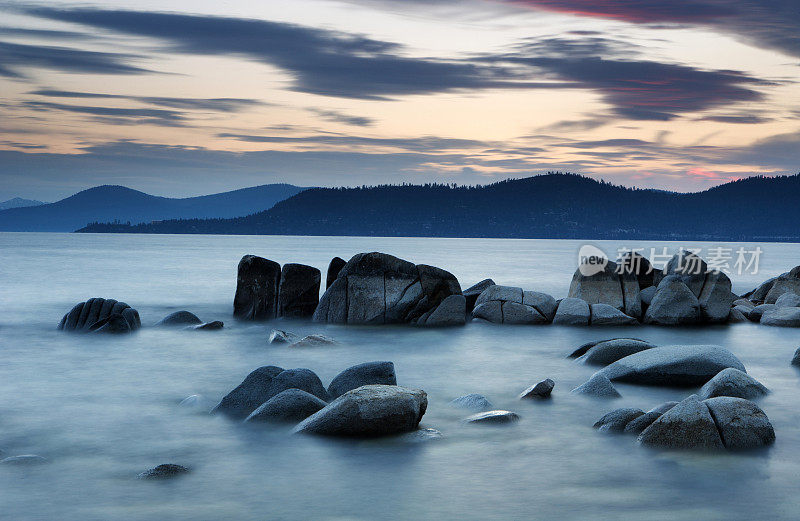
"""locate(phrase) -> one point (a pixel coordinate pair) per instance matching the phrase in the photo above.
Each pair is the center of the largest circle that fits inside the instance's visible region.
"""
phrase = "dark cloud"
(14, 56)
(339, 117)
(161, 117)
(743, 120)
(430, 144)
(212, 104)
(43, 33)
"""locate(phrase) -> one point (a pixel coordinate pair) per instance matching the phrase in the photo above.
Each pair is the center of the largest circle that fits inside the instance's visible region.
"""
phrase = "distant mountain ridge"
(552, 206)
(19, 202)
(118, 203)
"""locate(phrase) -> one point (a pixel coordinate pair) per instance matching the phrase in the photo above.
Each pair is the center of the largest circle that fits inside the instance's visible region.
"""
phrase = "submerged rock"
(248, 395)
(368, 373)
(609, 351)
(572, 312)
(167, 470)
(289, 406)
(115, 323)
(314, 341)
(95, 313)
(420, 436)
(371, 410)
(733, 382)
(688, 425)
(473, 401)
(179, 318)
(298, 292)
(539, 390)
(277, 336)
(497, 416)
(598, 386)
(677, 366)
(208, 326)
(256, 289)
(618, 419)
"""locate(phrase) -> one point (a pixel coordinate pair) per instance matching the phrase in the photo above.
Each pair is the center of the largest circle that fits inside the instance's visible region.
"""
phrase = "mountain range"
(118, 203)
(554, 205)
(18, 202)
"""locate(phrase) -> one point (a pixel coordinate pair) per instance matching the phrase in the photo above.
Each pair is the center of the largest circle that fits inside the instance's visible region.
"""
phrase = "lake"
(102, 409)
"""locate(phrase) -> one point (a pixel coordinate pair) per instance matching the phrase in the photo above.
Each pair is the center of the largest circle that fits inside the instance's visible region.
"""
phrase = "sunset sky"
(185, 98)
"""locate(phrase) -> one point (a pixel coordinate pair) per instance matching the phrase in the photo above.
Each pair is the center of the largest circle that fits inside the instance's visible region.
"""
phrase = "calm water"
(104, 409)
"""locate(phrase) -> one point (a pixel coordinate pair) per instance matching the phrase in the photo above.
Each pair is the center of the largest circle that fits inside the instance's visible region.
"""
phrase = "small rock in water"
(208, 326)
(498, 416)
(277, 336)
(289, 406)
(474, 401)
(180, 318)
(540, 390)
(313, 340)
(618, 419)
(24, 459)
(796, 358)
(167, 470)
(599, 386)
(421, 436)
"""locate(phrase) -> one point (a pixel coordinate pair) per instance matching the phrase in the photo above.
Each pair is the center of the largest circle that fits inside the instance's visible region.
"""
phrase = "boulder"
(673, 304)
(647, 295)
(115, 323)
(376, 288)
(289, 406)
(368, 373)
(165, 471)
(688, 425)
(474, 401)
(298, 292)
(639, 424)
(371, 410)
(796, 358)
(335, 266)
(451, 312)
(313, 341)
(606, 315)
(687, 267)
(741, 423)
(24, 460)
(611, 286)
(248, 395)
(716, 298)
(732, 382)
(510, 305)
(743, 302)
(738, 315)
(257, 284)
(759, 294)
(788, 300)
(757, 312)
(303, 379)
(583, 349)
(786, 283)
(676, 366)
(598, 386)
(277, 336)
(609, 351)
(179, 318)
(781, 317)
(539, 390)
(208, 326)
(85, 316)
(572, 312)
(498, 416)
(473, 292)
(616, 420)
(639, 266)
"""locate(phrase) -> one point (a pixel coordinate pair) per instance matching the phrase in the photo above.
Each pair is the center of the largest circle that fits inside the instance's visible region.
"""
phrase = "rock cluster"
(508, 305)
(265, 291)
(101, 315)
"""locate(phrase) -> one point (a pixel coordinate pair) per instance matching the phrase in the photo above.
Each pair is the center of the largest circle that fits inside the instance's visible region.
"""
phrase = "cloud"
(339, 117)
(117, 115)
(212, 104)
(429, 144)
(738, 119)
(15, 56)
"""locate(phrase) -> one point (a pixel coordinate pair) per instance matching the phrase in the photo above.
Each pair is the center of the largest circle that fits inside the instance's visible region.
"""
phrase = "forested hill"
(546, 206)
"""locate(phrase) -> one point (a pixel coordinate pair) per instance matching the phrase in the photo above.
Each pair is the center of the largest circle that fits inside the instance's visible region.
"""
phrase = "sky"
(185, 98)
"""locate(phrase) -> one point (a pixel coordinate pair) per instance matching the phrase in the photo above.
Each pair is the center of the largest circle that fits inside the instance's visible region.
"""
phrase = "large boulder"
(257, 285)
(786, 283)
(510, 305)
(759, 294)
(741, 423)
(335, 266)
(572, 312)
(781, 317)
(115, 323)
(598, 386)
(757, 312)
(676, 366)
(611, 286)
(303, 379)
(716, 298)
(248, 395)
(94, 314)
(673, 304)
(584, 348)
(377, 288)
(732, 382)
(637, 265)
(298, 292)
(609, 351)
(688, 425)
(451, 312)
(607, 315)
(371, 410)
(368, 373)
(289, 406)
(689, 268)
(180, 318)
(473, 292)
(788, 300)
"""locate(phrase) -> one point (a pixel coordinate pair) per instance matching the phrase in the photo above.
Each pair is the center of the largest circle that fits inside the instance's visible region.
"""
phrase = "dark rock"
(572, 312)
(371, 410)
(249, 394)
(298, 292)
(368, 373)
(509, 305)
(688, 425)
(618, 419)
(716, 298)
(472, 293)
(313, 341)
(788, 300)
(743, 302)
(303, 379)
(94, 314)
(647, 295)
(539, 390)
(498, 416)
(598, 386)
(607, 315)
(637, 425)
(781, 317)
(786, 283)
(609, 351)
(758, 295)
(583, 349)
(638, 266)
(335, 266)
(796, 358)
(757, 312)
(732, 382)
(256, 289)
(208, 326)
(291, 405)
(451, 312)
(738, 315)
(742, 424)
(677, 366)
(674, 304)
(115, 323)
(167, 470)
(473, 401)
(179, 318)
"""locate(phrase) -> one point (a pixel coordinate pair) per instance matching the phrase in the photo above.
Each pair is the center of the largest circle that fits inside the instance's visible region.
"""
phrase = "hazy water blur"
(103, 409)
